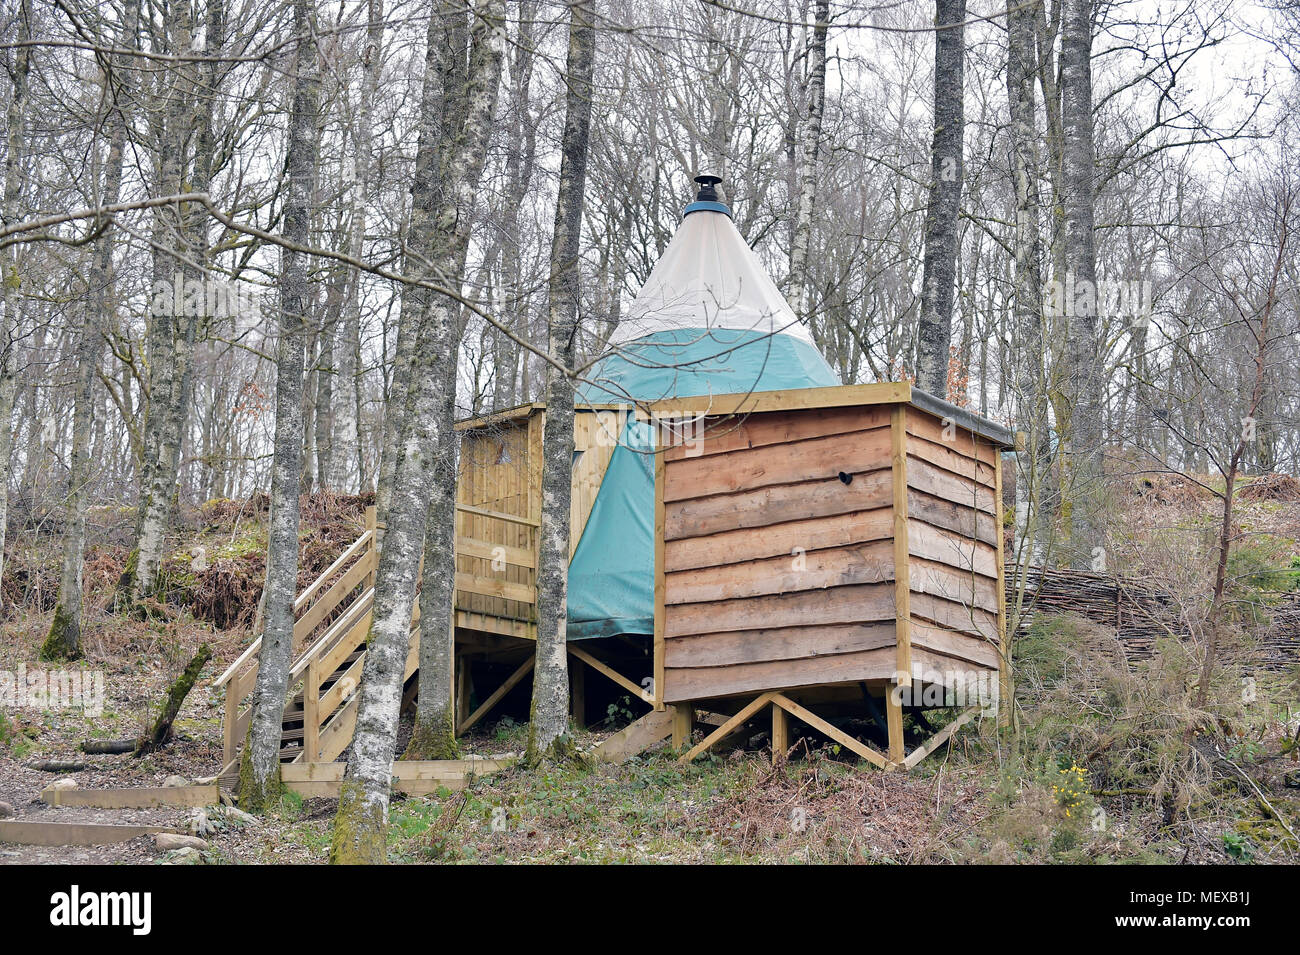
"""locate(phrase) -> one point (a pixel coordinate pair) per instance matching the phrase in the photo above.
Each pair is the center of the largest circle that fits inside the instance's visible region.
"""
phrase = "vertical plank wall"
(495, 475)
(776, 573)
(953, 524)
(500, 470)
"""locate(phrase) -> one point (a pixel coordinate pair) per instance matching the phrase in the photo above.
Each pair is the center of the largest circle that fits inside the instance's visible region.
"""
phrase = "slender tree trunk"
(934, 332)
(346, 439)
(174, 321)
(1082, 490)
(259, 775)
(1030, 399)
(12, 278)
(64, 639)
(812, 133)
(360, 828)
(548, 736)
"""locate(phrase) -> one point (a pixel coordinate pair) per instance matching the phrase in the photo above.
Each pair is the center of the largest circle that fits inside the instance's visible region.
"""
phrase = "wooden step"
(73, 833)
(144, 797)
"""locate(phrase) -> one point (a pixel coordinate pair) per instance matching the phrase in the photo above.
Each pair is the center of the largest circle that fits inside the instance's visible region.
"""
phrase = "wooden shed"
(815, 544)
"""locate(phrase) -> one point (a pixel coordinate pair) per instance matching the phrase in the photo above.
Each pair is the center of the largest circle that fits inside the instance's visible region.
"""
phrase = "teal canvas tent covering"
(709, 320)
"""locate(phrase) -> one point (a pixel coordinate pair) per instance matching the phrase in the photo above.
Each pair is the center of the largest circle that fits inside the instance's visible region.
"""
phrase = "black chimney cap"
(708, 188)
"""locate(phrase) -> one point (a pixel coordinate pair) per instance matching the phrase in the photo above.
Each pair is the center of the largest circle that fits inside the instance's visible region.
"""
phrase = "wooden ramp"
(636, 737)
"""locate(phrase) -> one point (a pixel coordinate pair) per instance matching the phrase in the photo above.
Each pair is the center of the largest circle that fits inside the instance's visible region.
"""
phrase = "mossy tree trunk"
(360, 828)
(64, 639)
(259, 778)
(446, 93)
(548, 731)
(174, 311)
(10, 274)
(1082, 494)
(161, 731)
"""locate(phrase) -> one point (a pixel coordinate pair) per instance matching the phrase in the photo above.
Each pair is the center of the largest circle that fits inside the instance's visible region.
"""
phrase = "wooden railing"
(311, 608)
(330, 665)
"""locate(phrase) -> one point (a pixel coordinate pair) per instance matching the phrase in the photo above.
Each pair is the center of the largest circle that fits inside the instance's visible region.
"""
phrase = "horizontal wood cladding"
(958, 647)
(950, 516)
(963, 554)
(777, 574)
(924, 425)
(962, 587)
(815, 570)
(772, 505)
(954, 615)
(776, 643)
(735, 433)
(806, 608)
(811, 459)
(938, 482)
(697, 683)
(743, 544)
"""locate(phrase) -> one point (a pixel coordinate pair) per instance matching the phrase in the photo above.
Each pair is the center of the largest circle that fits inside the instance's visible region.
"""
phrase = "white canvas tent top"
(709, 278)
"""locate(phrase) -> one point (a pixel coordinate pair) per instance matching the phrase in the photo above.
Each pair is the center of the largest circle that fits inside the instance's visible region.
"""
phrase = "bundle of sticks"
(1141, 613)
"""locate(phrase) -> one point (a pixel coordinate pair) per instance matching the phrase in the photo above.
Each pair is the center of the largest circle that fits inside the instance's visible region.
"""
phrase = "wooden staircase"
(332, 622)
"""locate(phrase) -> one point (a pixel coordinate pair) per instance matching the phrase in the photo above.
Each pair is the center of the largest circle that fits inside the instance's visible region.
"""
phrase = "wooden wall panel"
(778, 574)
(767, 506)
(810, 459)
(953, 529)
(804, 608)
(730, 547)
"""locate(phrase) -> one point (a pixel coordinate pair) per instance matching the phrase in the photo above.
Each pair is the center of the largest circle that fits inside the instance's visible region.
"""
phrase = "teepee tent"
(709, 320)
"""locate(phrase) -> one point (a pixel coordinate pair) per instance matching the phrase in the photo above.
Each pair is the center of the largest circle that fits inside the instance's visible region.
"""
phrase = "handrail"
(355, 548)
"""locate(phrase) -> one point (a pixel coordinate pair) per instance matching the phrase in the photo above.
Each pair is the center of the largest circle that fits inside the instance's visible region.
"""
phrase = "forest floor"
(1110, 762)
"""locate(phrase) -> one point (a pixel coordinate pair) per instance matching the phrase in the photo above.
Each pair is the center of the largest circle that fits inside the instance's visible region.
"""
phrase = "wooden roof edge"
(833, 396)
(525, 411)
(966, 420)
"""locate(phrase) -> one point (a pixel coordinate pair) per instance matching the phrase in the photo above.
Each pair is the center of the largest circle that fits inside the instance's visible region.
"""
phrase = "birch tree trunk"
(1030, 357)
(174, 320)
(346, 439)
(259, 772)
(548, 736)
(812, 134)
(444, 73)
(1082, 490)
(12, 277)
(934, 332)
(360, 828)
(64, 638)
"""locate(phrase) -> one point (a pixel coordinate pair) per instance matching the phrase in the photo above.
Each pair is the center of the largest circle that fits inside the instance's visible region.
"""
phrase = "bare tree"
(548, 728)
(934, 332)
(361, 824)
(64, 639)
(259, 773)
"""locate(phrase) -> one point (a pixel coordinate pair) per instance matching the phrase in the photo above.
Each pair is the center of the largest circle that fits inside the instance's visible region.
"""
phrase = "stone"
(174, 840)
(6, 810)
(175, 782)
(67, 782)
(187, 855)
